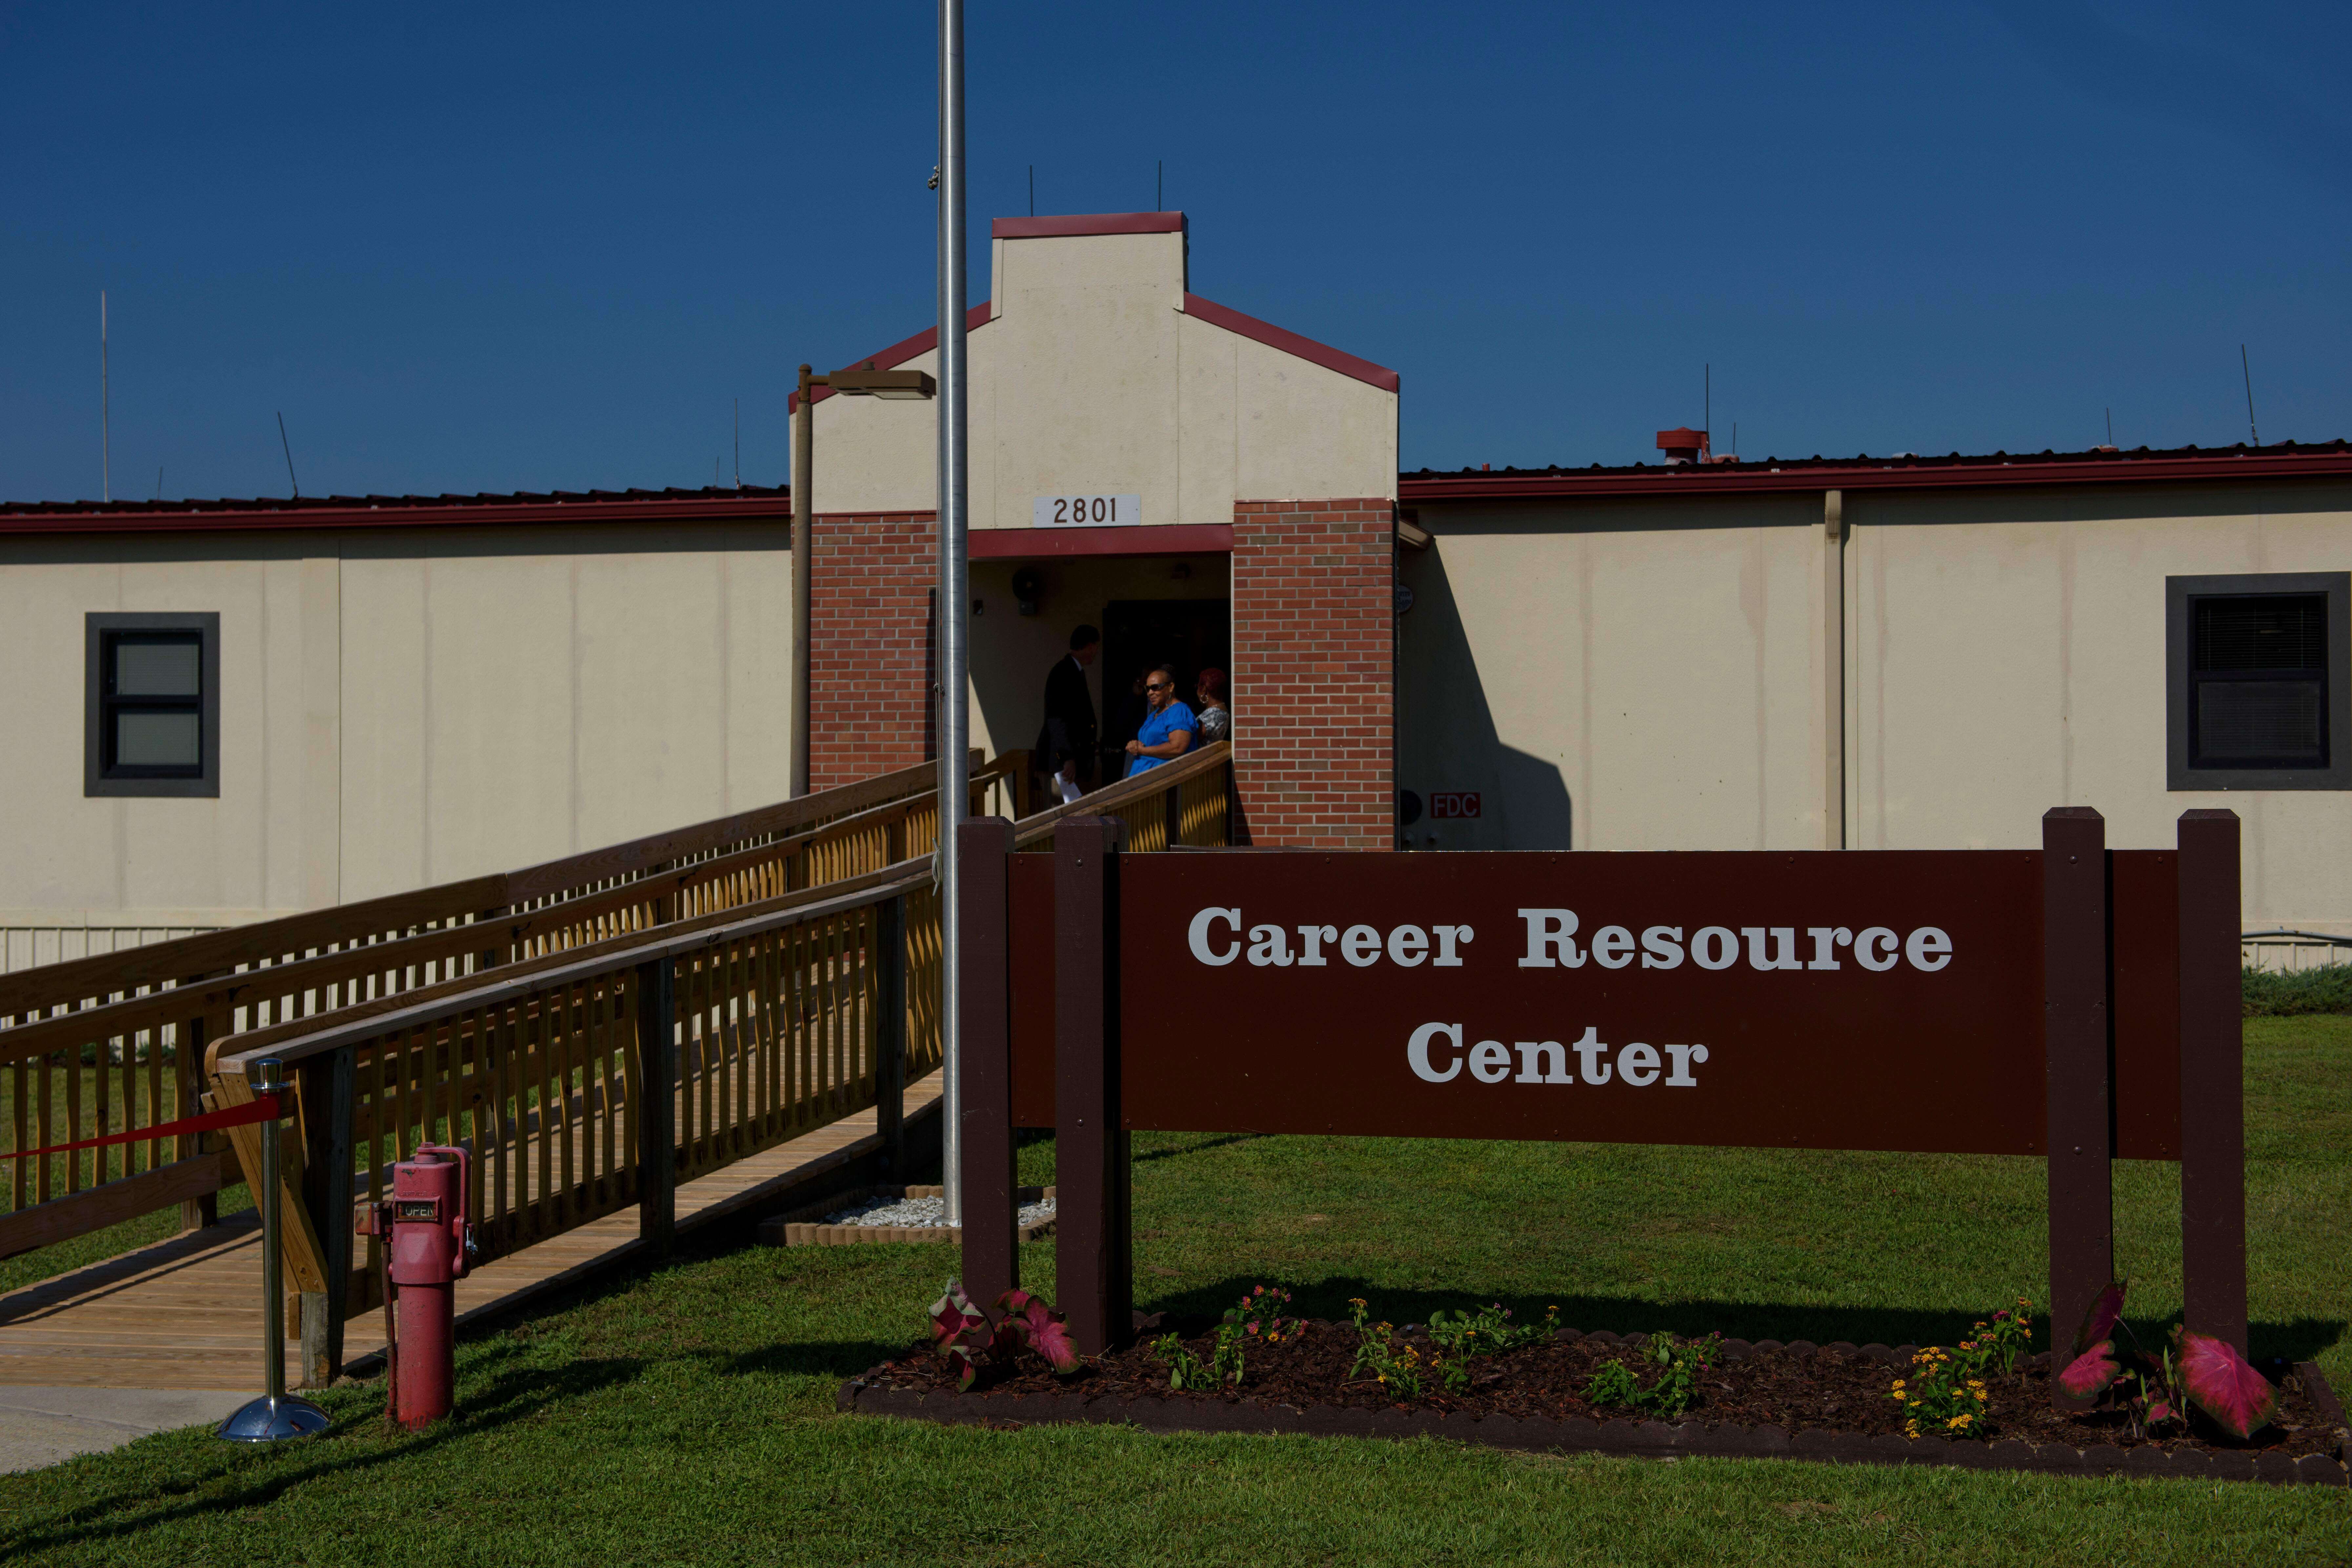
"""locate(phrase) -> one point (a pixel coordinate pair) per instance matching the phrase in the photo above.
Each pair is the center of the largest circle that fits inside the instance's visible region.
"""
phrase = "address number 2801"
(1089, 512)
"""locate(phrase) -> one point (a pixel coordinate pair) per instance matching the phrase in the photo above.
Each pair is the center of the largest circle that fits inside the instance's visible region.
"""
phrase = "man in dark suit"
(1066, 745)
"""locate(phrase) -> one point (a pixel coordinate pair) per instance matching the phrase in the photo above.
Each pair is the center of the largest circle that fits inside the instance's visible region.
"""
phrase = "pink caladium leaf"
(1049, 1335)
(2160, 1410)
(2222, 1384)
(2106, 1311)
(952, 1316)
(967, 1367)
(2089, 1373)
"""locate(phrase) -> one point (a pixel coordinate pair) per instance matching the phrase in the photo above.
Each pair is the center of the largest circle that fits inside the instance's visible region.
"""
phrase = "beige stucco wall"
(1088, 378)
(1635, 676)
(1656, 669)
(270, 841)
(2009, 656)
(398, 707)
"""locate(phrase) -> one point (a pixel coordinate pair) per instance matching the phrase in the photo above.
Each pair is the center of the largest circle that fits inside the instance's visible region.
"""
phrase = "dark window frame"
(97, 779)
(2179, 649)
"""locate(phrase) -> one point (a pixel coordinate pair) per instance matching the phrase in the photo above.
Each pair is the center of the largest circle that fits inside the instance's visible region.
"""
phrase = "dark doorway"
(1192, 635)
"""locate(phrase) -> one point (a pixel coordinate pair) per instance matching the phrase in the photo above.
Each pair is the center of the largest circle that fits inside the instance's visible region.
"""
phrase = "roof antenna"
(2111, 426)
(1707, 410)
(105, 424)
(289, 457)
(738, 443)
(2247, 365)
(158, 481)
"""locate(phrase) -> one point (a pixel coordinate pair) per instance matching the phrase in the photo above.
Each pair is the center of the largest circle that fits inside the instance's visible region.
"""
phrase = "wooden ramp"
(186, 1313)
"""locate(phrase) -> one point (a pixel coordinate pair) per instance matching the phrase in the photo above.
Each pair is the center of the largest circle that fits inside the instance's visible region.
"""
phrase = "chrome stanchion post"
(273, 1415)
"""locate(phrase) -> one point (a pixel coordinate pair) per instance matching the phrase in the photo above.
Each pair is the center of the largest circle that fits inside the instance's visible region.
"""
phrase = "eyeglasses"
(1159, 686)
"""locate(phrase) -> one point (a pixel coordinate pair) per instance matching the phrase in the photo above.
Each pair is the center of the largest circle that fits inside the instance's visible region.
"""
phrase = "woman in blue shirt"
(1167, 730)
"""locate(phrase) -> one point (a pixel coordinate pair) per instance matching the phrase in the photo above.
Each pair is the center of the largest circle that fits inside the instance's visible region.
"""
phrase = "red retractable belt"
(262, 1110)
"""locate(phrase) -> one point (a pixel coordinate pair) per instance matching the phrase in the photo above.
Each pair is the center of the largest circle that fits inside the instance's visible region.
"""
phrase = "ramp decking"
(186, 1313)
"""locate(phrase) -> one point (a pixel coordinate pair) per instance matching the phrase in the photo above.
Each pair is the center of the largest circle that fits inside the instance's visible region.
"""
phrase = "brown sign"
(2051, 1002)
(1888, 1001)
(1866, 1069)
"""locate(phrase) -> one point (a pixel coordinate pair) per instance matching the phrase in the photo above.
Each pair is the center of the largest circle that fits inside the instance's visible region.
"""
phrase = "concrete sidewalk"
(40, 1427)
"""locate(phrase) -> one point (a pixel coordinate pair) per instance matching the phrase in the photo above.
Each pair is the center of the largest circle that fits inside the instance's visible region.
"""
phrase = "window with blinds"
(2258, 681)
(2257, 695)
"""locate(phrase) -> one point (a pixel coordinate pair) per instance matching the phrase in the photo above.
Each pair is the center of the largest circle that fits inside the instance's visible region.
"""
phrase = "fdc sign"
(2070, 1002)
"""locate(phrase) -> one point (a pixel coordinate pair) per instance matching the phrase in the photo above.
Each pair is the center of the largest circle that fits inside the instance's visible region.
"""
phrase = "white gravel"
(919, 1212)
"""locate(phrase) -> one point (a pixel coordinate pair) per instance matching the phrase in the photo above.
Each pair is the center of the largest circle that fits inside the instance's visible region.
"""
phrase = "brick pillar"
(869, 645)
(1314, 691)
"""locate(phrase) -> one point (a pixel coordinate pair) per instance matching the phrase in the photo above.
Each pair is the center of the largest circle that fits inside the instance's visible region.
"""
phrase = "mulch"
(1796, 1387)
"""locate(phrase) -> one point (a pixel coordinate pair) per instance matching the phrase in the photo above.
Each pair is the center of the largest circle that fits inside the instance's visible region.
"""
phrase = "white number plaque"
(1089, 512)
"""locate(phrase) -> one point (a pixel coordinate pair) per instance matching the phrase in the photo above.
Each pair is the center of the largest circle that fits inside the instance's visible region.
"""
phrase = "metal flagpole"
(954, 763)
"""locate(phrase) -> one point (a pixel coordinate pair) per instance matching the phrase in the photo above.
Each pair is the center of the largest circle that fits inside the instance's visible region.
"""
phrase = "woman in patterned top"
(1216, 720)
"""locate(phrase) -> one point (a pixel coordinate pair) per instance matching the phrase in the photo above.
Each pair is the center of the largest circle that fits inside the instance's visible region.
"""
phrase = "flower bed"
(1834, 1402)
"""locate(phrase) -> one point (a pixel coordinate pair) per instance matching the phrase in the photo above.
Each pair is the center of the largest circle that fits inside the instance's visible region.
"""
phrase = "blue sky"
(491, 248)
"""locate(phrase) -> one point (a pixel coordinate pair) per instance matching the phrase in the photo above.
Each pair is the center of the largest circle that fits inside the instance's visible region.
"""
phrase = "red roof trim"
(1069, 225)
(1291, 343)
(897, 354)
(1692, 479)
(241, 516)
(1047, 543)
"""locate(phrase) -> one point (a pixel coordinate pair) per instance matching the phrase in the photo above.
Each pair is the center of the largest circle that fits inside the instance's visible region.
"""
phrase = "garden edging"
(1650, 1438)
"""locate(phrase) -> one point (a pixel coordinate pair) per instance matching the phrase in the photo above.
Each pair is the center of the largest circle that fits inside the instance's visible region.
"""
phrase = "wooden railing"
(117, 1042)
(594, 1081)
(1187, 802)
(776, 1018)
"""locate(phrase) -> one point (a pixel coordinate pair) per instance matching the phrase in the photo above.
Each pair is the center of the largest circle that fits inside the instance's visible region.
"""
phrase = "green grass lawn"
(684, 1414)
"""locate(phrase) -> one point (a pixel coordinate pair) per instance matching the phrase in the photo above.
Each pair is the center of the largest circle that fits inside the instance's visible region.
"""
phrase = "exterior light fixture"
(900, 385)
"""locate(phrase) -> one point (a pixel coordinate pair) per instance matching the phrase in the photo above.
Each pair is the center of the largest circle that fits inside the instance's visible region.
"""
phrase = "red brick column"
(869, 645)
(1314, 692)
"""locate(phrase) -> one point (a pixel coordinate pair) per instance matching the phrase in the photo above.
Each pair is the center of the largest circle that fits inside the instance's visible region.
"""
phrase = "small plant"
(1185, 1370)
(962, 1334)
(1258, 1316)
(1462, 1337)
(1944, 1393)
(1395, 1365)
(1256, 1319)
(2154, 1391)
(1673, 1391)
(1939, 1396)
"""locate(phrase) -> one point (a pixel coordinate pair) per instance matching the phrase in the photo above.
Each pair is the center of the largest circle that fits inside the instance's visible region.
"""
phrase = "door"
(1192, 635)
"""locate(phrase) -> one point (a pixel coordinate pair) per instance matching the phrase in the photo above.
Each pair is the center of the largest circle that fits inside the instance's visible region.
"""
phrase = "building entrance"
(1191, 635)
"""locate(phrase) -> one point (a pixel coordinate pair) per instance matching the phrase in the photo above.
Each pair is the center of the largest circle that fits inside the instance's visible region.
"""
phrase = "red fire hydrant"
(427, 1243)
